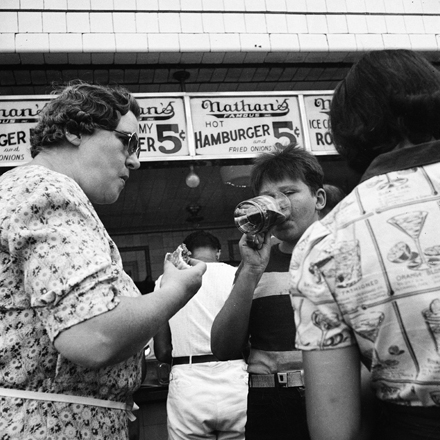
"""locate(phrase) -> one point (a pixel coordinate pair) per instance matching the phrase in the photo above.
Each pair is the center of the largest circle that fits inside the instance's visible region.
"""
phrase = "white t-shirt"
(191, 325)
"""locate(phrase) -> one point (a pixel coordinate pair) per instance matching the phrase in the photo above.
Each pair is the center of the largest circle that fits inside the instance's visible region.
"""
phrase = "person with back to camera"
(207, 398)
(258, 308)
(378, 294)
(73, 323)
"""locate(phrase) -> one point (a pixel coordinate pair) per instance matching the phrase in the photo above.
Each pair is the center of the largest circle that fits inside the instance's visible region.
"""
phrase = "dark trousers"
(276, 414)
(400, 422)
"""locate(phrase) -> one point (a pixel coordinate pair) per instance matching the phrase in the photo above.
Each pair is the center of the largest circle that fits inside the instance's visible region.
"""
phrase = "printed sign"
(17, 118)
(223, 126)
(244, 125)
(318, 123)
(162, 127)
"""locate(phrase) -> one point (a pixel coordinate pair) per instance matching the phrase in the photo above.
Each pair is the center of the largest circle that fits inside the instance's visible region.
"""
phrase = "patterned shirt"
(369, 274)
(58, 267)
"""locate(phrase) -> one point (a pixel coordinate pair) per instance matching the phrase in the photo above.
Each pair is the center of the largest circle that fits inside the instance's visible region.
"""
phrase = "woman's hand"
(112, 337)
(189, 279)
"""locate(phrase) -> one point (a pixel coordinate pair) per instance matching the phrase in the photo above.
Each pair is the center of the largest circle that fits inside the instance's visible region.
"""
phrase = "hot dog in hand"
(180, 257)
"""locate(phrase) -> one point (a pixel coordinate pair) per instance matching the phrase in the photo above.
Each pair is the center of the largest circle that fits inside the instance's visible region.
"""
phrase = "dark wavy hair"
(291, 162)
(387, 96)
(79, 108)
(201, 238)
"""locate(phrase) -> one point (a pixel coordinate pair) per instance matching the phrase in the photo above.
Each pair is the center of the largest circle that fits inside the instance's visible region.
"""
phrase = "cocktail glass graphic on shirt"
(368, 326)
(411, 223)
(432, 319)
(391, 183)
(325, 322)
(401, 253)
(321, 270)
(348, 263)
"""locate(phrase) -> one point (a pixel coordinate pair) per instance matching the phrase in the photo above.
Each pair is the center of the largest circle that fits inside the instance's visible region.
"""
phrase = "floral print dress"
(58, 267)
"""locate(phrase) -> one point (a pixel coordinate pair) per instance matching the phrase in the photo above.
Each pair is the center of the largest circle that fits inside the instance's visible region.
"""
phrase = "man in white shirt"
(207, 398)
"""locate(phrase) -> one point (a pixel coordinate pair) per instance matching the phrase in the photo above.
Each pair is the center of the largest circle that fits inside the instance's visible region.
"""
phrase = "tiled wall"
(140, 31)
(161, 243)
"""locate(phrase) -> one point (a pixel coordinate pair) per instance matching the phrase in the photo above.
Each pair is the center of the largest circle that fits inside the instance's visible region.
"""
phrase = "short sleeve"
(319, 322)
(62, 256)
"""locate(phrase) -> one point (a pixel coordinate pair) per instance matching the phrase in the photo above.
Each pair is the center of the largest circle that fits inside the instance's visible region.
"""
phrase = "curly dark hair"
(291, 162)
(387, 96)
(79, 108)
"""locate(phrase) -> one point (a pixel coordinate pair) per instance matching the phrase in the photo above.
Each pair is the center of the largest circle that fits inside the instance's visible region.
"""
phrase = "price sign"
(17, 118)
(223, 126)
(162, 127)
(318, 122)
(245, 125)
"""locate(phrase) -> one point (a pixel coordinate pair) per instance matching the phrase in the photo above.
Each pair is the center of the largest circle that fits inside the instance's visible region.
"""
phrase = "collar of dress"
(402, 159)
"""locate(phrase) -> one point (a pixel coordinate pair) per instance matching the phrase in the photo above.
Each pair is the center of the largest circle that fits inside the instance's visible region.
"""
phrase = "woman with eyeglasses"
(73, 324)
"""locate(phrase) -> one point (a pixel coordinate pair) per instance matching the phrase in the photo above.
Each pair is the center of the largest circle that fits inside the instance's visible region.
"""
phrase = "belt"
(193, 359)
(284, 379)
(67, 398)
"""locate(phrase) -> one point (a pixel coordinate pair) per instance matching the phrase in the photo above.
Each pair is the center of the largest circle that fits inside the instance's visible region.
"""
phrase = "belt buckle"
(282, 379)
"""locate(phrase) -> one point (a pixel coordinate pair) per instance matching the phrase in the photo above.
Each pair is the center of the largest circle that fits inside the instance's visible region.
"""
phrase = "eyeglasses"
(133, 144)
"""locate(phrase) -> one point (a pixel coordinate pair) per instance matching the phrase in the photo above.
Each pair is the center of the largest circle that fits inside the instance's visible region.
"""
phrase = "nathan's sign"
(162, 127)
(179, 126)
(17, 119)
(318, 123)
(244, 125)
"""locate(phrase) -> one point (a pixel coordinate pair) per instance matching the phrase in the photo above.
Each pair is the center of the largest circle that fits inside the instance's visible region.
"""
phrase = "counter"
(151, 397)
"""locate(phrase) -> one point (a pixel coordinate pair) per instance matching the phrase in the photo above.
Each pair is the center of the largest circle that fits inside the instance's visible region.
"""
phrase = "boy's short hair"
(291, 162)
(201, 238)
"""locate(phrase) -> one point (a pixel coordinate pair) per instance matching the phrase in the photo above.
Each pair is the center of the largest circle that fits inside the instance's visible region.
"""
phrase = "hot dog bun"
(180, 257)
